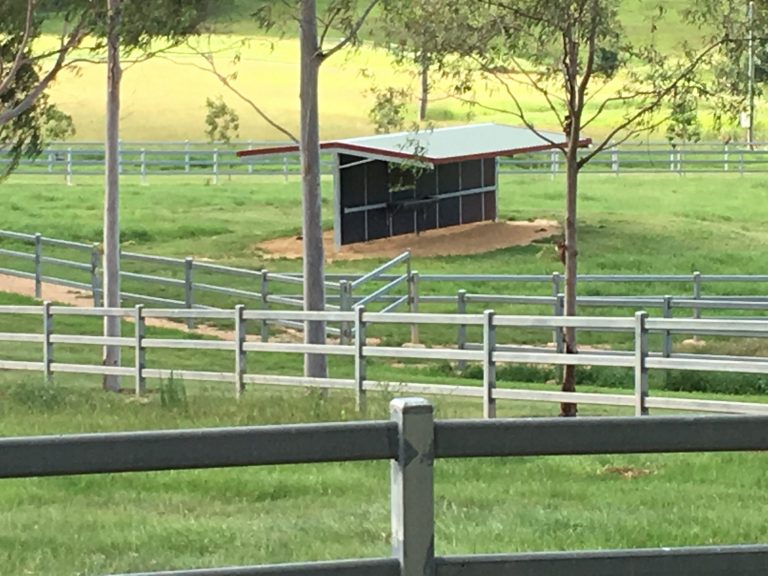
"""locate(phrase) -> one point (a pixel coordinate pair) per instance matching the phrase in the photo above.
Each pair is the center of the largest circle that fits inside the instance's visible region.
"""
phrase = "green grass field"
(139, 522)
(120, 523)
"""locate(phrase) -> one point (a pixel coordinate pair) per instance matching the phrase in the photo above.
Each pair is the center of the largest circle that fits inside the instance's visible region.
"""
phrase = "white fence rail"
(413, 441)
(157, 159)
(640, 358)
(27, 256)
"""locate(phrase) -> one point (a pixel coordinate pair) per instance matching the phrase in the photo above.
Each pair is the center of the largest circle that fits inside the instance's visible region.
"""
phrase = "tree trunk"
(424, 101)
(571, 268)
(111, 243)
(315, 365)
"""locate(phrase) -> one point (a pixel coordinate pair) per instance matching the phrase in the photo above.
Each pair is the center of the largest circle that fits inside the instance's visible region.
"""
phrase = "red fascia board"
(405, 155)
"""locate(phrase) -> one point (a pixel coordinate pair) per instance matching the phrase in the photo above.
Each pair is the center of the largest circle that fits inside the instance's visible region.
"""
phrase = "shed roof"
(439, 146)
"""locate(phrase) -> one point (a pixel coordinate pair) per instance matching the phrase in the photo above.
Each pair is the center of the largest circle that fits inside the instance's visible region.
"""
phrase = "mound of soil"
(454, 241)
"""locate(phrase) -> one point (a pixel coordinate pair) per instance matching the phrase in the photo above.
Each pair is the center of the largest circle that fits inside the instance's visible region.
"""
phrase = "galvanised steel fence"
(146, 160)
(392, 286)
(414, 443)
(639, 358)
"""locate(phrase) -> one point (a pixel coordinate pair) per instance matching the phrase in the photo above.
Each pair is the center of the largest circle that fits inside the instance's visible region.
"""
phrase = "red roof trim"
(406, 155)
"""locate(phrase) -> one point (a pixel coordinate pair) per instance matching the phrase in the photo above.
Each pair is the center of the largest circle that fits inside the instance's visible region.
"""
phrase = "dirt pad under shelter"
(454, 241)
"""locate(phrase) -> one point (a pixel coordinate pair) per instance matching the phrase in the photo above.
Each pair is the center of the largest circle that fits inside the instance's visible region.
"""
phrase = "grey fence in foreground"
(157, 159)
(490, 353)
(413, 441)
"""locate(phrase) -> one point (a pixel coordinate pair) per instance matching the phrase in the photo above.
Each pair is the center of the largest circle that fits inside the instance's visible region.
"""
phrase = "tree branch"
(655, 102)
(19, 59)
(67, 44)
(213, 69)
(324, 55)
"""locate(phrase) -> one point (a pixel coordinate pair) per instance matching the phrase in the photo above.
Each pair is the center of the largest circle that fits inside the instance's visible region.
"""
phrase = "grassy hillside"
(164, 99)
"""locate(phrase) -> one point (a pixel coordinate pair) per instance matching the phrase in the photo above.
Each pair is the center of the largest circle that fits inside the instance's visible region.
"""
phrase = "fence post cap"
(417, 405)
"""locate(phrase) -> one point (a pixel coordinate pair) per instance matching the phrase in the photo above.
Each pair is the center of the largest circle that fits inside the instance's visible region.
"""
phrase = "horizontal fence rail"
(640, 359)
(189, 283)
(156, 159)
(412, 441)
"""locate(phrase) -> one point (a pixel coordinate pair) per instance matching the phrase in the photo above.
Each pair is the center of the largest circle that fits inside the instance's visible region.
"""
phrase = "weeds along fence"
(157, 159)
(639, 358)
(412, 440)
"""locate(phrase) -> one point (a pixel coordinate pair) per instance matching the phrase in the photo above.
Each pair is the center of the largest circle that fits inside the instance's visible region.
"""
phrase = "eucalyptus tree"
(344, 18)
(587, 71)
(87, 30)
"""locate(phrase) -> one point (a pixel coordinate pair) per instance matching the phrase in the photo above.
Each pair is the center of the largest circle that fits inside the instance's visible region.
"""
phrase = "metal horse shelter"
(410, 182)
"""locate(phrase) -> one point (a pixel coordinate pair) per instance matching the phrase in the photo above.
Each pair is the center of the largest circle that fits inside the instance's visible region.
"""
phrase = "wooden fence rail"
(413, 441)
(640, 359)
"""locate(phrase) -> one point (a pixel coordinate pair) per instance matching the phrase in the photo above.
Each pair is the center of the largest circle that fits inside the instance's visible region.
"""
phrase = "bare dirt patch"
(454, 241)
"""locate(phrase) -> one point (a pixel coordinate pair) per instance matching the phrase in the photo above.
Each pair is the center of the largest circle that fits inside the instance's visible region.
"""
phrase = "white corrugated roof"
(440, 145)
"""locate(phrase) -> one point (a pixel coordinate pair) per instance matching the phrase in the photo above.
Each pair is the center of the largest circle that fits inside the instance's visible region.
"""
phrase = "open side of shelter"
(411, 182)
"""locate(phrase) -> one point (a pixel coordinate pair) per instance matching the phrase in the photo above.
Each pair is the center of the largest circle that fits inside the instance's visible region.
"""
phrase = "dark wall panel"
(471, 176)
(352, 182)
(449, 212)
(490, 205)
(426, 217)
(353, 228)
(377, 182)
(471, 208)
(448, 178)
(402, 222)
(489, 172)
(426, 184)
(378, 224)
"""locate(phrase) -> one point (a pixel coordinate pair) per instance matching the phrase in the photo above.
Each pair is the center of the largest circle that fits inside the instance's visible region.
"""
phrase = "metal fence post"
(216, 166)
(240, 359)
(188, 290)
(186, 156)
(615, 160)
(554, 160)
(47, 343)
(725, 158)
(143, 166)
(697, 293)
(250, 164)
(558, 332)
(413, 302)
(264, 304)
(38, 265)
(360, 368)
(69, 166)
(140, 354)
(461, 333)
(345, 305)
(489, 365)
(95, 278)
(557, 282)
(412, 492)
(285, 168)
(666, 310)
(641, 368)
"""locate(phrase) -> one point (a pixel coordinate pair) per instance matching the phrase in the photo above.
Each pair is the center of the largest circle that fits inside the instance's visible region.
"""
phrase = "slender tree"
(346, 17)
(569, 53)
(111, 242)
